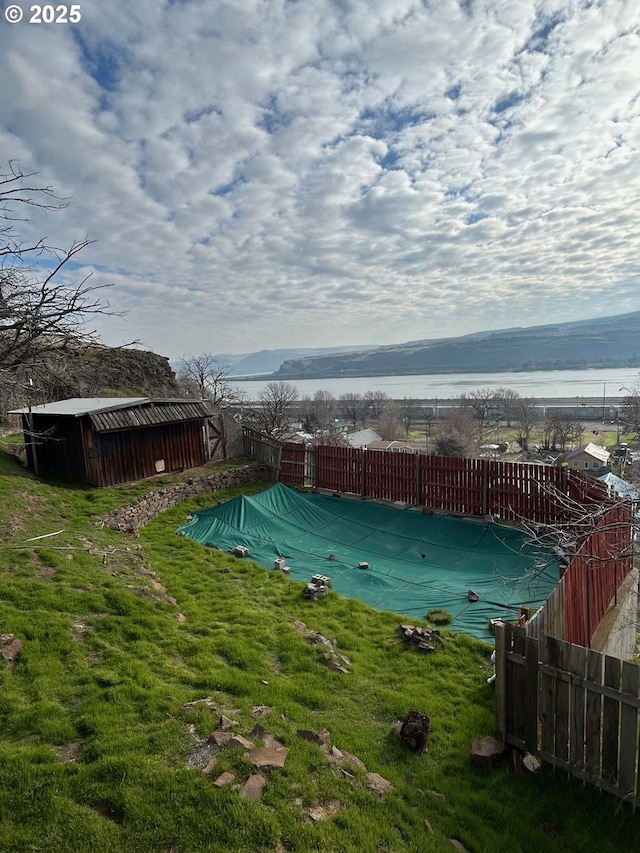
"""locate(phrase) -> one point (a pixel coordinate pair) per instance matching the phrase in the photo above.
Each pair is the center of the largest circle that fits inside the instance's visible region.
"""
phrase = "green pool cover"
(417, 562)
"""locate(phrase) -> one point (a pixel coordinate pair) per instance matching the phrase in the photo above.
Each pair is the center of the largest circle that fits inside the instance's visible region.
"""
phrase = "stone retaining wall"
(130, 518)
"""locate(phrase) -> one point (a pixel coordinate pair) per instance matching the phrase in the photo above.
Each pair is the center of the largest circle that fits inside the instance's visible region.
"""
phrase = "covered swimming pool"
(417, 561)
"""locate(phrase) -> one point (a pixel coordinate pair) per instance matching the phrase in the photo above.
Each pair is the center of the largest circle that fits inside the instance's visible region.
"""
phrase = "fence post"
(485, 487)
(500, 682)
(417, 480)
(363, 472)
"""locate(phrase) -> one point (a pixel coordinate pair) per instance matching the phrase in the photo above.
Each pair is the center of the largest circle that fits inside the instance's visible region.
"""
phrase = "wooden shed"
(109, 440)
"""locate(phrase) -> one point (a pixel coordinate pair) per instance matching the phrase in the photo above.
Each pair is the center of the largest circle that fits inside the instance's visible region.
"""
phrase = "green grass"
(97, 754)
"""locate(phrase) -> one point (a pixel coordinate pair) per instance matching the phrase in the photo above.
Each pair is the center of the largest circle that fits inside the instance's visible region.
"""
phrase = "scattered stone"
(272, 742)
(414, 731)
(427, 825)
(531, 763)
(181, 617)
(268, 758)
(336, 667)
(225, 778)
(219, 738)
(459, 845)
(312, 592)
(258, 732)
(226, 723)
(10, 647)
(206, 771)
(239, 742)
(299, 626)
(260, 711)
(253, 787)
(321, 738)
(473, 596)
(426, 639)
(486, 752)
(324, 812)
(352, 759)
(379, 784)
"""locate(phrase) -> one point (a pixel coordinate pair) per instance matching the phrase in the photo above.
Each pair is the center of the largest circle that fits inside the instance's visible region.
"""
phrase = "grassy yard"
(104, 736)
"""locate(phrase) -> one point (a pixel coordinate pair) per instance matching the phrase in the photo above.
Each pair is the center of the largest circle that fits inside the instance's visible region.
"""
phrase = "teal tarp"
(417, 562)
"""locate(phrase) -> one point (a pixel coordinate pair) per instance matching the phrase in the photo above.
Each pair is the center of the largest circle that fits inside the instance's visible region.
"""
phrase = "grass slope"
(97, 752)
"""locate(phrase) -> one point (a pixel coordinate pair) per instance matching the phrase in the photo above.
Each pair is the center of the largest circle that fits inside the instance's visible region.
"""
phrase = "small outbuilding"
(589, 457)
(108, 440)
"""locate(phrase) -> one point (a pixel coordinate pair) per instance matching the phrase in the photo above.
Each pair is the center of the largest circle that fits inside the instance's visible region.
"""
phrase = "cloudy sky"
(267, 173)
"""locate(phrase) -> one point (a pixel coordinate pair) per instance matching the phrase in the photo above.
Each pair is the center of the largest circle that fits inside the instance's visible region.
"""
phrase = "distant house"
(589, 457)
(109, 440)
(619, 487)
(362, 437)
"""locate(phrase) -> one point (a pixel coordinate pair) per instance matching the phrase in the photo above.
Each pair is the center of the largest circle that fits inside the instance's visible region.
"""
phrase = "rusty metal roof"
(150, 414)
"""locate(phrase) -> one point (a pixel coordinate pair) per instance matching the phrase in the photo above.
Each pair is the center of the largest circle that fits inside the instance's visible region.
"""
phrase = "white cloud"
(341, 172)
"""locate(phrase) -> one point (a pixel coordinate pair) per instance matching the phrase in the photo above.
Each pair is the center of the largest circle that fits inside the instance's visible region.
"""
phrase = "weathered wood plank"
(500, 682)
(562, 653)
(611, 721)
(547, 701)
(628, 767)
(531, 691)
(578, 666)
(593, 716)
(516, 662)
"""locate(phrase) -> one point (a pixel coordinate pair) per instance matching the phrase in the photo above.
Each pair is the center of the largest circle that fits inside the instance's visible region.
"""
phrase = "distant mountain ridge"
(579, 344)
(269, 360)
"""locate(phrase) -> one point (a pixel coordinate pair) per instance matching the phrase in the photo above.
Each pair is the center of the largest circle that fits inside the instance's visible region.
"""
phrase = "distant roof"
(362, 437)
(591, 449)
(113, 413)
(621, 487)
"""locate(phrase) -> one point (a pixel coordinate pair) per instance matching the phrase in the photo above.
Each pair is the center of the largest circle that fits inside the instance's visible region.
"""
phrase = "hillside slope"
(602, 342)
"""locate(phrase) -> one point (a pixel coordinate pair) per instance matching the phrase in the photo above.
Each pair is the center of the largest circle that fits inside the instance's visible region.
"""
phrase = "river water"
(610, 384)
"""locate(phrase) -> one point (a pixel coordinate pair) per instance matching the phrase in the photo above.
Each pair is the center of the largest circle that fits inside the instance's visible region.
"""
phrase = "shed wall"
(132, 454)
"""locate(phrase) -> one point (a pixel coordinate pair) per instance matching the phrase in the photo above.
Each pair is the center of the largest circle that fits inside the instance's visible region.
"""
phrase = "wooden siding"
(133, 454)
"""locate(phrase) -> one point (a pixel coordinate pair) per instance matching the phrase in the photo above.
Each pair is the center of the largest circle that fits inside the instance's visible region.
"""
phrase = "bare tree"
(42, 315)
(506, 399)
(630, 411)
(526, 415)
(390, 425)
(408, 412)
(458, 434)
(481, 403)
(203, 377)
(559, 430)
(351, 406)
(272, 414)
(376, 403)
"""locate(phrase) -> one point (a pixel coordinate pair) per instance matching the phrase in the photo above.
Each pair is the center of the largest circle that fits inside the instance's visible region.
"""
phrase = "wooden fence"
(507, 491)
(575, 708)
(590, 582)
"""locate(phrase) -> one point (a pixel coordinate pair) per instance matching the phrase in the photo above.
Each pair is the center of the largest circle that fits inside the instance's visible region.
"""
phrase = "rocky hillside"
(601, 342)
(95, 371)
